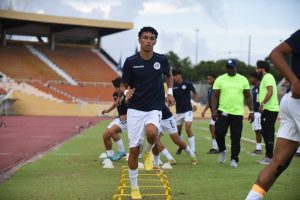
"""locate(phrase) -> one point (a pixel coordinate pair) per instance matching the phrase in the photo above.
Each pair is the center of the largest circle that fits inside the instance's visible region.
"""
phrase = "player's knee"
(106, 135)
(151, 131)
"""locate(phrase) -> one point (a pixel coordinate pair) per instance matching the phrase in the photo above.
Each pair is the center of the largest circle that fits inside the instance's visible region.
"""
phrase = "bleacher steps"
(53, 66)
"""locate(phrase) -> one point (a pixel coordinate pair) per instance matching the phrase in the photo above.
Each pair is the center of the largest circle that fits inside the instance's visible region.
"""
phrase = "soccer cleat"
(178, 152)
(213, 151)
(118, 156)
(265, 161)
(172, 161)
(135, 194)
(194, 160)
(257, 151)
(222, 157)
(148, 161)
(233, 163)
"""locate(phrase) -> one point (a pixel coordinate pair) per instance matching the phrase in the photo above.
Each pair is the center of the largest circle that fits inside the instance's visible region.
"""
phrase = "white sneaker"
(222, 156)
(172, 161)
(233, 163)
(265, 161)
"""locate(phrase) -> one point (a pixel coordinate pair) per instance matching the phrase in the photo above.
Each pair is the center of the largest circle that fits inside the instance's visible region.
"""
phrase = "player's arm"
(126, 77)
(169, 81)
(204, 110)
(277, 58)
(214, 103)
(267, 97)
(112, 106)
(249, 102)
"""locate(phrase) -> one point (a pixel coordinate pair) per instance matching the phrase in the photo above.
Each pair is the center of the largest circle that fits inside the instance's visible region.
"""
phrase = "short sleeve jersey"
(272, 104)
(146, 77)
(166, 113)
(182, 95)
(122, 108)
(231, 88)
(256, 104)
(294, 43)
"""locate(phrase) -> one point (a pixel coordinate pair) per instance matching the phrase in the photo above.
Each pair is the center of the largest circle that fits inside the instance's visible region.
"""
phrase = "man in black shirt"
(184, 110)
(288, 137)
(142, 76)
(210, 80)
(118, 125)
(256, 124)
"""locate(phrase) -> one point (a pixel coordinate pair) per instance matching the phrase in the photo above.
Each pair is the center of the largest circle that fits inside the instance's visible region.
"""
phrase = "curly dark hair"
(148, 29)
(263, 64)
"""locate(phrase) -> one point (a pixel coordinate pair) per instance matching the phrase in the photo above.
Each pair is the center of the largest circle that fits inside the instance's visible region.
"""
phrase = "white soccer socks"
(120, 145)
(192, 143)
(257, 193)
(133, 174)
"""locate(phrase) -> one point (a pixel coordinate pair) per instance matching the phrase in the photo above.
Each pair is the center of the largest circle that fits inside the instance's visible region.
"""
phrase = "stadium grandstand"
(60, 67)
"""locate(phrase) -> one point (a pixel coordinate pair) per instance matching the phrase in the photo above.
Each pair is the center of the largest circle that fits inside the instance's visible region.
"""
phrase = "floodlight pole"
(249, 50)
(196, 50)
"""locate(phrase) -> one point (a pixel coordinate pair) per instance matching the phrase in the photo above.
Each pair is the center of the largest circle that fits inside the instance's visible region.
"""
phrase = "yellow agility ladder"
(152, 184)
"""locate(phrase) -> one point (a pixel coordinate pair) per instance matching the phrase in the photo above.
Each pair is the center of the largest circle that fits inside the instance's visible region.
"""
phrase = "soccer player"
(184, 110)
(215, 149)
(142, 76)
(256, 124)
(168, 124)
(269, 108)
(118, 125)
(288, 137)
(230, 90)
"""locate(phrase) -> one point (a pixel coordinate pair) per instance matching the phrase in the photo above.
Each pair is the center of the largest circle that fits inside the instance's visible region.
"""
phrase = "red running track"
(27, 136)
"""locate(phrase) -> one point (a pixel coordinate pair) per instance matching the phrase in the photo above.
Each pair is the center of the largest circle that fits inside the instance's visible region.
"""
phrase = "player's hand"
(296, 90)
(203, 114)
(260, 109)
(129, 93)
(195, 108)
(170, 100)
(104, 111)
(215, 115)
(251, 117)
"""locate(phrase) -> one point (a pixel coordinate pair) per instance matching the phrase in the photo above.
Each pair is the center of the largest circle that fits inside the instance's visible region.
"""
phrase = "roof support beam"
(3, 37)
(51, 40)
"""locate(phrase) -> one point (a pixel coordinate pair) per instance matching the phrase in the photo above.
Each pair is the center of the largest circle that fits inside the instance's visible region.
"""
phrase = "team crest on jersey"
(156, 65)
(183, 87)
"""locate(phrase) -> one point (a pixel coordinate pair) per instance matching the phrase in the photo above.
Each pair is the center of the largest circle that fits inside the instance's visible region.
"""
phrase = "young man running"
(288, 137)
(168, 124)
(142, 76)
(118, 125)
(184, 110)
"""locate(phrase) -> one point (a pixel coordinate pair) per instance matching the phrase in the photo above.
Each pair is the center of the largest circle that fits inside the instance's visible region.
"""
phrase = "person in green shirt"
(269, 107)
(230, 90)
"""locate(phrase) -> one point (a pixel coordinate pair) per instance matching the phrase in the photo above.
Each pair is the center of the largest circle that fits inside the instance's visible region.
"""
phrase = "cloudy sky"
(224, 26)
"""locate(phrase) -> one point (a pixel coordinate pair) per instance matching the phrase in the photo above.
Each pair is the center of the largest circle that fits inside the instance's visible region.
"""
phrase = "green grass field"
(74, 172)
